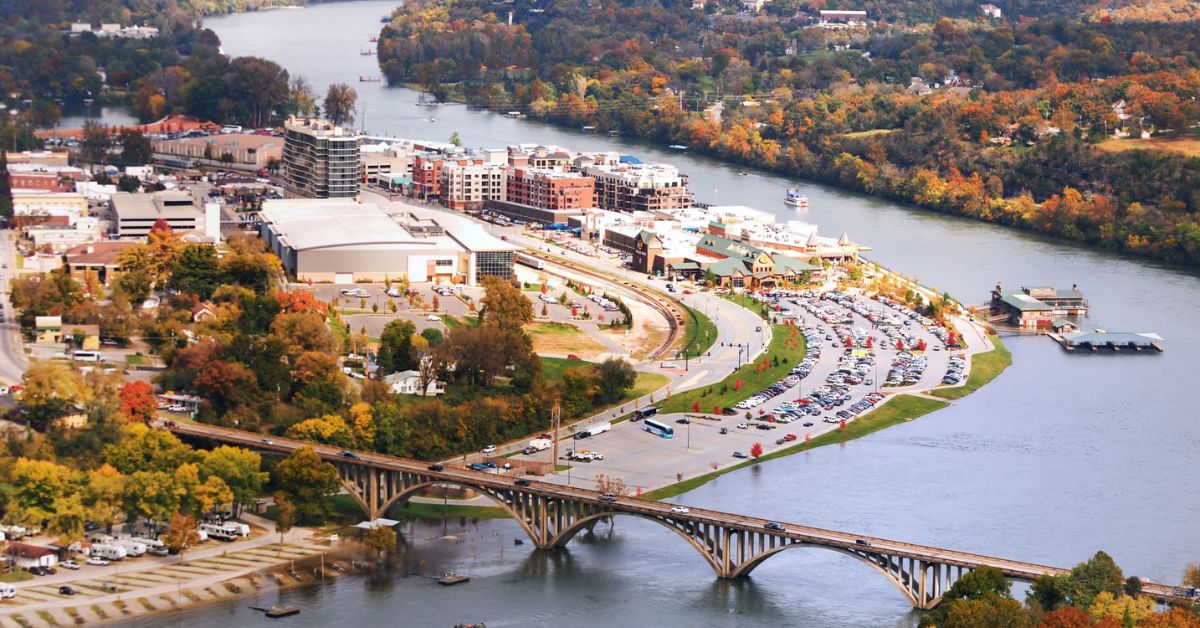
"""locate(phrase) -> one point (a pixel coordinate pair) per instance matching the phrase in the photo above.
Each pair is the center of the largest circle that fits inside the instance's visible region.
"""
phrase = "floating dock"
(1112, 341)
(277, 611)
(452, 578)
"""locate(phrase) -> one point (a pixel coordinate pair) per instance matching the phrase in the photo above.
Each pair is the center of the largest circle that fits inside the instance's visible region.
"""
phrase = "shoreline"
(215, 575)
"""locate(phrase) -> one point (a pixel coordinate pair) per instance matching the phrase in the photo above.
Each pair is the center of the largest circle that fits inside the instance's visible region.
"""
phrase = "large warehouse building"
(342, 241)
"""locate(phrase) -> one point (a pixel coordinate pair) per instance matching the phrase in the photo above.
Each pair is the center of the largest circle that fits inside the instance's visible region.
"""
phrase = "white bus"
(87, 356)
(658, 429)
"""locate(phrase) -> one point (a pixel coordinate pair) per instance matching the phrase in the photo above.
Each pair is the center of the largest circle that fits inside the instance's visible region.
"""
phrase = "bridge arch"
(409, 491)
(565, 535)
(908, 582)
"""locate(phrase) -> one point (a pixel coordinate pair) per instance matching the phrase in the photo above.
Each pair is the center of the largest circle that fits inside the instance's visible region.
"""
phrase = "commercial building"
(342, 241)
(245, 149)
(136, 213)
(50, 158)
(1036, 308)
(36, 206)
(320, 160)
(550, 189)
(470, 185)
(97, 259)
(639, 187)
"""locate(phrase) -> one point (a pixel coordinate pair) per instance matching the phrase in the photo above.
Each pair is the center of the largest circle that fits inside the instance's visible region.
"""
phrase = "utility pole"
(555, 425)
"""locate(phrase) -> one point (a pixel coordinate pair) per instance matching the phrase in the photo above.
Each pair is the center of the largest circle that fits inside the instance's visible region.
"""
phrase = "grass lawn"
(415, 510)
(552, 371)
(337, 328)
(898, 410)
(787, 346)
(19, 575)
(135, 359)
(869, 133)
(701, 332)
(984, 368)
(343, 509)
(562, 338)
(1183, 143)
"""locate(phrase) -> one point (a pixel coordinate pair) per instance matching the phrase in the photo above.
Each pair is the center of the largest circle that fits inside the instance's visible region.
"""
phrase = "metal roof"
(308, 224)
(1143, 339)
(1024, 302)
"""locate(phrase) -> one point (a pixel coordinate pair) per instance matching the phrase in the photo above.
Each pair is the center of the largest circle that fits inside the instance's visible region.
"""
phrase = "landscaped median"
(984, 368)
(785, 351)
(897, 410)
(700, 333)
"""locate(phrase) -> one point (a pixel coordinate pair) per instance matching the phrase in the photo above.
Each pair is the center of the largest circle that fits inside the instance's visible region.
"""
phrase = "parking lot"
(851, 381)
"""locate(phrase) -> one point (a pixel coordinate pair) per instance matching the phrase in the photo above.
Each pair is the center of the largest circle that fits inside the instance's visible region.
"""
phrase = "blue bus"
(658, 429)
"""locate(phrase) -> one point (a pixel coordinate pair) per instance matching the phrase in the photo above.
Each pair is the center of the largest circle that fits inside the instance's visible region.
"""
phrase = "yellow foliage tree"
(1105, 604)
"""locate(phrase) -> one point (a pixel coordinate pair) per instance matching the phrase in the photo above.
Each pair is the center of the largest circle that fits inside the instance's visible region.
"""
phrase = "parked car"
(490, 449)
(69, 564)
(66, 590)
(738, 454)
(433, 318)
(97, 561)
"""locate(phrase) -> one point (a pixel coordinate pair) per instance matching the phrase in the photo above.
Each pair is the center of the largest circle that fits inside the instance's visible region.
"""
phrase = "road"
(12, 356)
(695, 516)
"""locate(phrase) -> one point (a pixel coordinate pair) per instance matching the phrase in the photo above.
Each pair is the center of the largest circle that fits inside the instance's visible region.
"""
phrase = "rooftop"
(1140, 339)
(305, 224)
(1024, 302)
(165, 204)
(97, 253)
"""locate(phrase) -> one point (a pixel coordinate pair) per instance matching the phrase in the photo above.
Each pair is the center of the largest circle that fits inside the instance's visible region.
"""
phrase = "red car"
(789, 437)
(687, 291)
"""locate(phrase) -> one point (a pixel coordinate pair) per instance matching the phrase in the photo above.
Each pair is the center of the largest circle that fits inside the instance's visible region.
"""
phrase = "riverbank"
(985, 367)
(149, 586)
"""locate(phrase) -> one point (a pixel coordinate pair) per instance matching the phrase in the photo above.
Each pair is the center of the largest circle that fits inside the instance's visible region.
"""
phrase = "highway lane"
(697, 516)
(12, 355)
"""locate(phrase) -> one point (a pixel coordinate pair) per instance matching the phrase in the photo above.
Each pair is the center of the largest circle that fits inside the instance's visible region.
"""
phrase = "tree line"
(1013, 143)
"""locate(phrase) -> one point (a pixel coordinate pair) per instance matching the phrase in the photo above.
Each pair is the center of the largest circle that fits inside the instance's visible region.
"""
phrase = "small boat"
(274, 611)
(374, 39)
(743, 173)
(368, 79)
(677, 147)
(450, 579)
(366, 52)
(614, 133)
(796, 199)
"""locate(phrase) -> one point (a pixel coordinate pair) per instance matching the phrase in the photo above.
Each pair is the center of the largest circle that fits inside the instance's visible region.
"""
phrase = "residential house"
(409, 383)
(991, 10)
(204, 311)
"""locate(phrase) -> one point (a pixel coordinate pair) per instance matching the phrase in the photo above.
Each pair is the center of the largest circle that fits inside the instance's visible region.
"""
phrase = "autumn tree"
(138, 403)
(38, 485)
(180, 534)
(607, 484)
(339, 104)
(146, 449)
(614, 377)
(982, 594)
(104, 493)
(285, 516)
(50, 389)
(239, 469)
(307, 481)
(756, 450)
(381, 539)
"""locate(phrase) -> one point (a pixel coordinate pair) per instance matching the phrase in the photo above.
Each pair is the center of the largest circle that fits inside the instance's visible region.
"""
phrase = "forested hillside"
(993, 119)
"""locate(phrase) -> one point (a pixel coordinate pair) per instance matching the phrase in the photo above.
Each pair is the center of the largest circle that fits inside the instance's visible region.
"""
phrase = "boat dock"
(1115, 342)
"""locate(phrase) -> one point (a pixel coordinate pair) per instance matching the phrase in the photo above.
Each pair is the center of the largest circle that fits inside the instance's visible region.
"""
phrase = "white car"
(490, 449)
(96, 560)
(69, 564)
(743, 426)
(433, 318)
(679, 509)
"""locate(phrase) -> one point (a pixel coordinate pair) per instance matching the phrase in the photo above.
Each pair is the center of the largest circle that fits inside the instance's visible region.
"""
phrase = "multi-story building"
(468, 185)
(244, 149)
(136, 213)
(320, 160)
(640, 187)
(550, 189)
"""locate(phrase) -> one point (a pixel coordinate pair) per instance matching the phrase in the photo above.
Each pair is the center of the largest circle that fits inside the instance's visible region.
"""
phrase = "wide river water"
(1059, 457)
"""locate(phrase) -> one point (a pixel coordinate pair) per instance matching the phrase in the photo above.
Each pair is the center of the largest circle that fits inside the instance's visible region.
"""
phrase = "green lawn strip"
(552, 372)
(700, 334)
(135, 359)
(337, 328)
(752, 379)
(422, 510)
(16, 576)
(896, 411)
(984, 368)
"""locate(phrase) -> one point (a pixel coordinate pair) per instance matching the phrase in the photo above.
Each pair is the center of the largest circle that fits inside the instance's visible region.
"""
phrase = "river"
(1059, 457)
